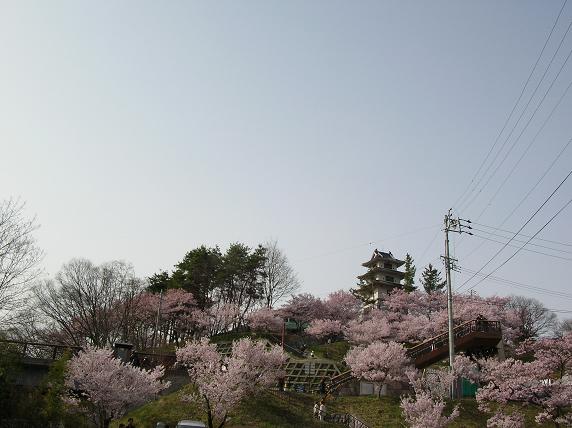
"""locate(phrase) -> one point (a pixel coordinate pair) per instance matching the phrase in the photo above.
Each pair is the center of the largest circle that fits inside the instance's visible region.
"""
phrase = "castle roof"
(382, 256)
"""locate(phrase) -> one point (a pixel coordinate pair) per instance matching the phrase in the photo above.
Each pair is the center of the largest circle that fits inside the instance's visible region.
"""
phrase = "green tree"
(9, 370)
(409, 278)
(53, 411)
(160, 281)
(198, 273)
(241, 277)
(235, 277)
(431, 280)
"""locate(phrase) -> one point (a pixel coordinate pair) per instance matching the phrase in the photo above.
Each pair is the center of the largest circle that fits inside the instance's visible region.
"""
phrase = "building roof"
(389, 272)
(380, 255)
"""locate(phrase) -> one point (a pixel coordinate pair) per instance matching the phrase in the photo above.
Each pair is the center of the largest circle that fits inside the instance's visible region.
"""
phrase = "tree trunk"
(223, 422)
(209, 413)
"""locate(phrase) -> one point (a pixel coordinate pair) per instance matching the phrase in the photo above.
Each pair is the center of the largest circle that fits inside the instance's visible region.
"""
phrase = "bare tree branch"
(534, 319)
(19, 255)
(281, 280)
(90, 303)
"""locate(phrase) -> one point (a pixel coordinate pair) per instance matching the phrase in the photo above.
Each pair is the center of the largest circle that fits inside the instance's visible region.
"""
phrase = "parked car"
(190, 424)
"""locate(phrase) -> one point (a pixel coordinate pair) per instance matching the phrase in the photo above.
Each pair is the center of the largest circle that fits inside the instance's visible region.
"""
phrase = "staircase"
(337, 382)
(472, 335)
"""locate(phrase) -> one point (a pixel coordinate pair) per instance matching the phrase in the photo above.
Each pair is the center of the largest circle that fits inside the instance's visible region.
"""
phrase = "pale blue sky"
(140, 130)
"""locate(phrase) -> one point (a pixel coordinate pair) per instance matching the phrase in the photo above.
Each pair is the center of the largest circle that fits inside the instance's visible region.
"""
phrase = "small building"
(381, 277)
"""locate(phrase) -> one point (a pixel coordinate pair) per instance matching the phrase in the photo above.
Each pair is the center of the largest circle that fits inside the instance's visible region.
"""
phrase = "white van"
(190, 424)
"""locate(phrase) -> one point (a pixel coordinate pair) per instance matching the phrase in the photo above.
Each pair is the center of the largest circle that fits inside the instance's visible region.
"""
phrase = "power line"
(517, 284)
(462, 196)
(521, 234)
(521, 116)
(538, 181)
(532, 141)
(525, 197)
(526, 249)
(517, 251)
(519, 230)
(559, 250)
(482, 301)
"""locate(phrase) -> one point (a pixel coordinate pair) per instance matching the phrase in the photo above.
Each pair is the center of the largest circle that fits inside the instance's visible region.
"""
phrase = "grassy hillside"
(263, 411)
(295, 410)
(385, 412)
(334, 351)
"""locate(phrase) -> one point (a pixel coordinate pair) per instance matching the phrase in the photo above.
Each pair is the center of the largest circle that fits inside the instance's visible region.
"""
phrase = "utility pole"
(157, 319)
(451, 225)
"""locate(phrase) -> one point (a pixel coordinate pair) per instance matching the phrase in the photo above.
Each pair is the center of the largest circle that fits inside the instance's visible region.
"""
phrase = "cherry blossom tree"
(303, 308)
(264, 319)
(342, 306)
(217, 319)
(503, 420)
(325, 328)
(105, 387)
(426, 408)
(337, 311)
(376, 327)
(553, 363)
(415, 317)
(543, 382)
(177, 320)
(424, 411)
(379, 362)
(223, 382)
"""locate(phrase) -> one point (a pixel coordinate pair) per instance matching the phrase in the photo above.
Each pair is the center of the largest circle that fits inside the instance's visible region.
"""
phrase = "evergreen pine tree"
(431, 280)
(409, 278)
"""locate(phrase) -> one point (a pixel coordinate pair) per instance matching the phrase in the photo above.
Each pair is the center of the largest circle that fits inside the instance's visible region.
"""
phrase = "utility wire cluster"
(535, 93)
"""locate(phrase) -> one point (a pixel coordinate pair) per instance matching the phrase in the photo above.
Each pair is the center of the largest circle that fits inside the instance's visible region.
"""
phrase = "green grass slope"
(385, 412)
(295, 410)
(334, 351)
(262, 411)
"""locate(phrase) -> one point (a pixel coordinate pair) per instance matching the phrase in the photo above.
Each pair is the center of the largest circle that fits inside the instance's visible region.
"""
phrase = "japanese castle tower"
(381, 277)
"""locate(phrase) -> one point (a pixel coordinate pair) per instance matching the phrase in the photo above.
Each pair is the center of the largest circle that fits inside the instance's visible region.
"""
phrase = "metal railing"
(52, 352)
(39, 351)
(476, 325)
(339, 380)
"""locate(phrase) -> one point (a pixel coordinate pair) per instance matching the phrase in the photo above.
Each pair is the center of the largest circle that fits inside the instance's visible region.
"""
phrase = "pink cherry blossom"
(424, 411)
(217, 319)
(303, 308)
(223, 382)
(325, 328)
(265, 319)
(379, 362)
(107, 386)
(543, 382)
(377, 326)
(502, 420)
(341, 306)
(416, 316)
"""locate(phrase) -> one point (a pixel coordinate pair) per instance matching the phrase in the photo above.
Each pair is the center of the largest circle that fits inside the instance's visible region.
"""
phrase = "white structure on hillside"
(382, 277)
